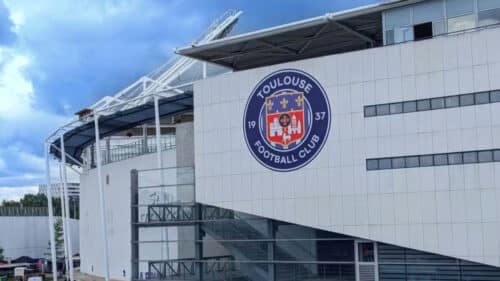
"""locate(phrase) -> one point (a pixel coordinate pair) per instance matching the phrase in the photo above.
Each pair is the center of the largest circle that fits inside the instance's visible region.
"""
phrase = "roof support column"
(101, 197)
(63, 218)
(66, 209)
(51, 214)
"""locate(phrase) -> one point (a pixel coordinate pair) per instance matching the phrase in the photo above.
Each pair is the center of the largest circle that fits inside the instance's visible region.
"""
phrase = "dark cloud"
(7, 36)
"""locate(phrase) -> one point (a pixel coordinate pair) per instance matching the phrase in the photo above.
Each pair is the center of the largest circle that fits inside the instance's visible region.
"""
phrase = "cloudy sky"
(57, 57)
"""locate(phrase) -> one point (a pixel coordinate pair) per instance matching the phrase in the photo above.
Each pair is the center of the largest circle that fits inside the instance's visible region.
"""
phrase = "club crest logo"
(287, 120)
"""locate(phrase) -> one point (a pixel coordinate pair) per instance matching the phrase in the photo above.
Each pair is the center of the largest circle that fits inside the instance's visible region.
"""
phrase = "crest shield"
(285, 118)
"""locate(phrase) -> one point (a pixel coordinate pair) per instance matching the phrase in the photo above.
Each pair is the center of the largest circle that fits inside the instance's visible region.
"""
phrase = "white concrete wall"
(29, 236)
(117, 198)
(452, 210)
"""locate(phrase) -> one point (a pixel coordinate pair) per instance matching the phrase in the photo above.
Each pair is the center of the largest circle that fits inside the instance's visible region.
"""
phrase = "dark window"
(482, 98)
(411, 161)
(423, 105)
(470, 157)
(496, 155)
(396, 108)
(437, 103)
(455, 158)
(452, 101)
(371, 164)
(370, 111)
(495, 96)
(384, 163)
(422, 31)
(398, 162)
(382, 109)
(409, 106)
(485, 156)
(426, 161)
(366, 252)
(440, 159)
(466, 100)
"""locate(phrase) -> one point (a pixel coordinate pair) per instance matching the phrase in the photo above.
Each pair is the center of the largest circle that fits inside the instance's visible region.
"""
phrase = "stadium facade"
(360, 145)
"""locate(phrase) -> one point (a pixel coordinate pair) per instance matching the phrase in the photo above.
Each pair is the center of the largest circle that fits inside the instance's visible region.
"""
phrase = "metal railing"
(26, 212)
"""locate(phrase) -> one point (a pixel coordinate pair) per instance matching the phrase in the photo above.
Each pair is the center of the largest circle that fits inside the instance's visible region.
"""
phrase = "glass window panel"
(453, 101)
(470, 157)
(389, 37)
(398, 162)
(495, 96)
(459, 7)
(437, 103)
(411, 161)
(489, 17)
(466, 100)
(423, 105)
(455, 158)
(482, 98)
(426, 161)
(396, 108)
(384, 163)
(370, 111)
(371, 164)
(487, 4)
(397, 18)
(410, 106)
(428, 11)
(438, 27)
(485, 156)
(366, 252)
(440, 159)
(382, 109)
(403, 34)
(461, 23)
(496, 155)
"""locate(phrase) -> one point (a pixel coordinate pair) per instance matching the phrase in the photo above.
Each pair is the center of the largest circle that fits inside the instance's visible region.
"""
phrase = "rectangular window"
(382, 109)
(372, 164)
(485, 156)
(423, 105)
(396, 108)
(489, 17)
(455, 158)
(459, 7)
(482, 98)
(496, 155)
(384, 164)
(411, 161)
(461, 23)
(398, 162)
(487, 4)
(495, 96)
(370, 111)
(423, 31)
(409, 106)
(440, 159)
(453, 101)
(428, 11)
(466, 100)
(426, 161)
(470, 157)
(437, 103)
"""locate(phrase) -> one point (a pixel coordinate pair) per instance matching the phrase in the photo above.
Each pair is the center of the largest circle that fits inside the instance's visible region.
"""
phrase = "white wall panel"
(451, 210)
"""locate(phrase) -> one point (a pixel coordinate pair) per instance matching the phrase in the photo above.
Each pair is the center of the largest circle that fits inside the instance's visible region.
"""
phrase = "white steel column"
(101, 196)
(63, 217)
(51, 215)
(158, 133)
(66, 209)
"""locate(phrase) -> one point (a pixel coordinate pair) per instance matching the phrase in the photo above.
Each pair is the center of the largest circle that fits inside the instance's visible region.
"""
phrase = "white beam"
(63, 217)
(66, 209)
(101, 197)
(51, 215)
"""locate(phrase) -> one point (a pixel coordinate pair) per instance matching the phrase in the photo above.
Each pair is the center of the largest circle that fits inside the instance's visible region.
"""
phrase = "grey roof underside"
(341, 32)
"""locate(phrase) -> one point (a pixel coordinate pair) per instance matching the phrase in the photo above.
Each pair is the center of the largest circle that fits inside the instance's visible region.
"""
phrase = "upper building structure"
(360, 145)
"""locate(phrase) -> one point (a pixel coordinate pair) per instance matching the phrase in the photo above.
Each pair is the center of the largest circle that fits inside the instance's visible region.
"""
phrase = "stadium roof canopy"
(332, 33)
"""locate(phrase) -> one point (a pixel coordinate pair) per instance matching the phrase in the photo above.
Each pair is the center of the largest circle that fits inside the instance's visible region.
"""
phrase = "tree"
(1, 254)
(58, 237)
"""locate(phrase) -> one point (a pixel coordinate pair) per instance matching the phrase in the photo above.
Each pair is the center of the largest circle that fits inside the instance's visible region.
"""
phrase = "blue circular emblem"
(287, 120)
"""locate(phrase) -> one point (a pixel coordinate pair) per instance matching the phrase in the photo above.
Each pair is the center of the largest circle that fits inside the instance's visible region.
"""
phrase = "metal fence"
(26, 212)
